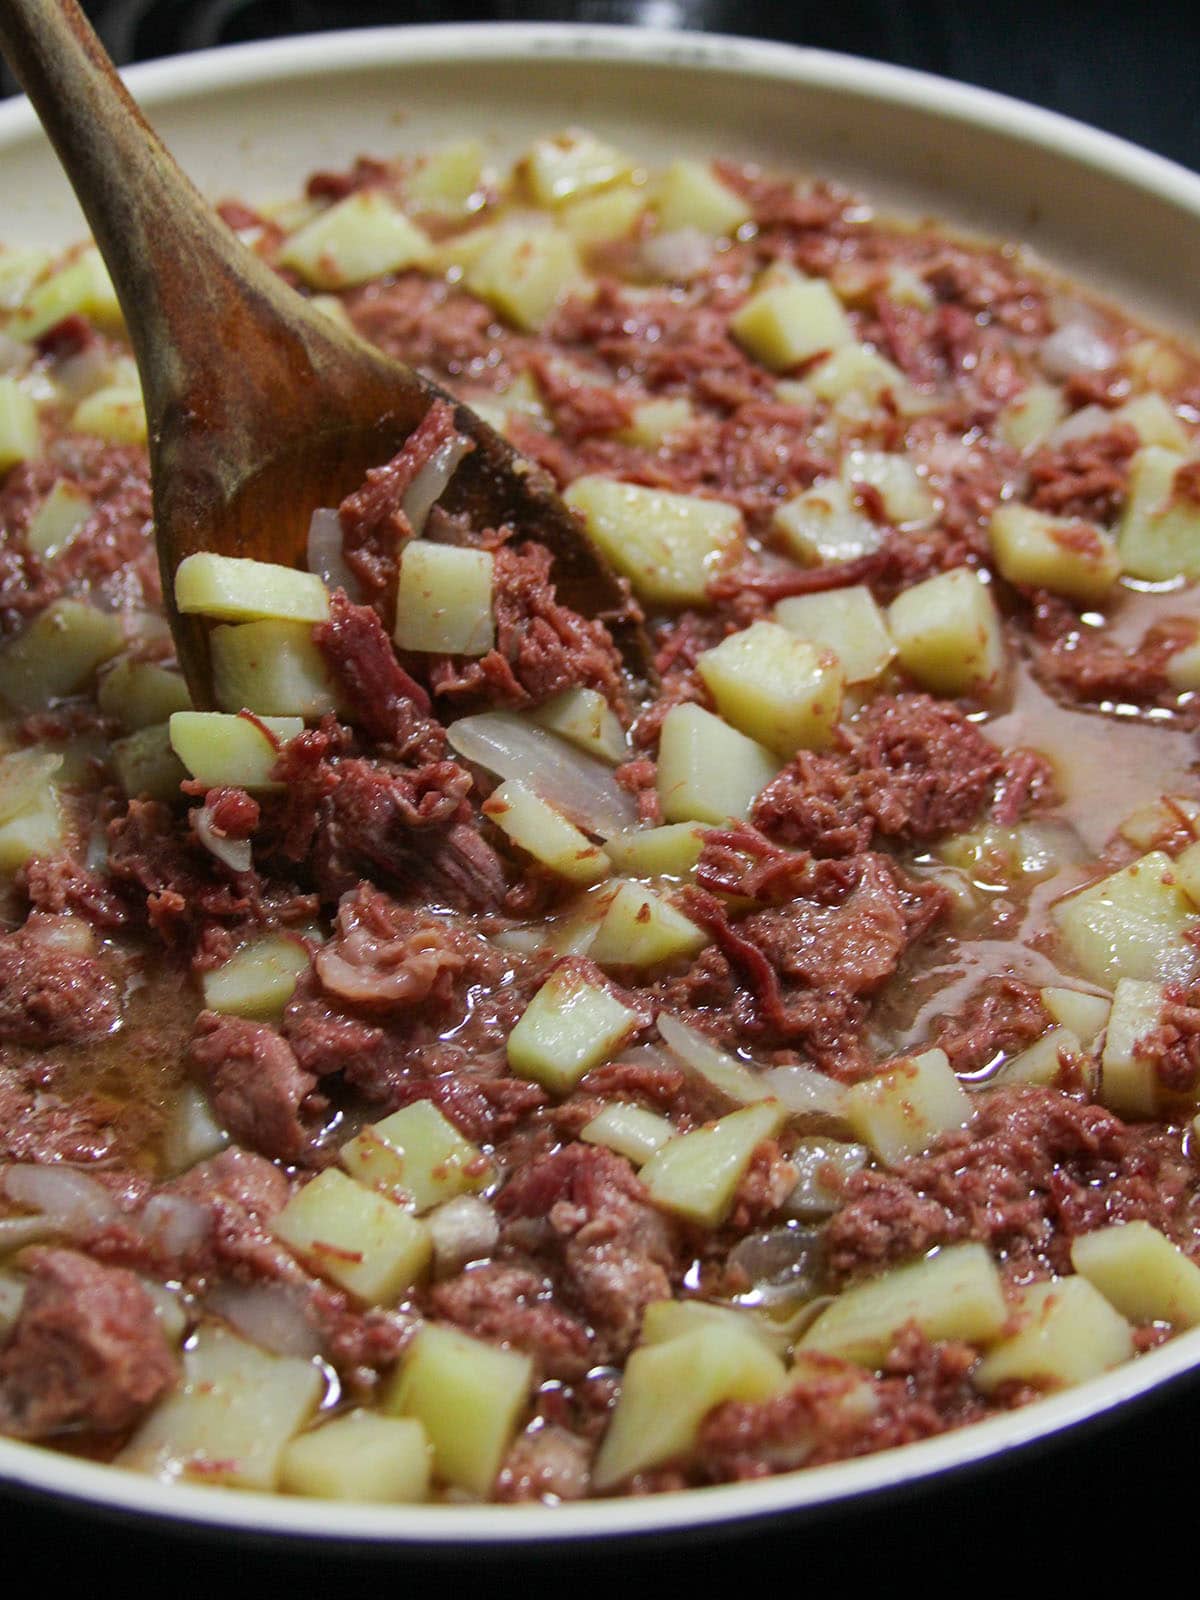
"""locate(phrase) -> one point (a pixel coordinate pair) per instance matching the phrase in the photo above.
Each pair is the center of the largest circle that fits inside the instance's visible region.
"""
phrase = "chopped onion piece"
(326, 554)
(233, 853)
(270, 1315)
(568, 779)
(174, 1223)
(1075, 347)
(12, 1297)
(429, 485)
(193, 1133)
(784, 1264)
(464, 1229)
(681, 254)
(65, 1198)
(723, 1072)
(805, 1091)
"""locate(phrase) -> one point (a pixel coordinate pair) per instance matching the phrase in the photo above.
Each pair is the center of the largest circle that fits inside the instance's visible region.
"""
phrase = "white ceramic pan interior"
(255, 120)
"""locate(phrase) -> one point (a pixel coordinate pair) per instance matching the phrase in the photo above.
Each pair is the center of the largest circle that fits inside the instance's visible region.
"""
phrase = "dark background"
(1122, 1493)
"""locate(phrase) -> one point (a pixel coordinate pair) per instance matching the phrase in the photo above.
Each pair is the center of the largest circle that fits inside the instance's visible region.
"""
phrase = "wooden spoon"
(259, 409)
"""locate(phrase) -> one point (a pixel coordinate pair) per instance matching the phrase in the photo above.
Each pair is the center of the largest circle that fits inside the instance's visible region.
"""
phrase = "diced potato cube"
(1159, 533)
(38, 830)
(81, 287)
(20, 434)
(1042, 1062)
(58, 519)
(449, 179)
(141, 694)
(545, 833)
(1139, 1271)
(1027, 420)
(822, 525)
(272, 668)
(1086, 1015)
(668, 1389)
(1183, 668)
(258, 981)
(146, 764)
(1069, 1333)
(632, 1131)
(955, 1293)
(849, 622)
(525, 272)
(24, 778)
(444, 601)
(670, 851)
(781, 690)
(1187, 872)
(696, 1174)
(57, 654)
(855, 369)
(903, 1110)
(907, 499)
(600, 218)
(1164, 818)
(690, 195)
(468, 1395)
(417, 1157)
(362, 1241)
(1131, 924)
(116, 412)
(1061, 554)
(570, 1026)
(655, 421)
(1154, 363)
(361, 1457)
(585, 717)
(641, 929)
(669, 546)
(359, 238)
(1129, 1084)
(232, 1417)
(1154, 422)
(674, 1319)
(235, 589)
(708, 771)
(20, 269)
(791, 322)
(948, 634)
(221, 749)
(571, 164)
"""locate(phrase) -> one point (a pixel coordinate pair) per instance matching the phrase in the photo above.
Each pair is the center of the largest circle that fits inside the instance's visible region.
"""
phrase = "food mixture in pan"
(452, 1070)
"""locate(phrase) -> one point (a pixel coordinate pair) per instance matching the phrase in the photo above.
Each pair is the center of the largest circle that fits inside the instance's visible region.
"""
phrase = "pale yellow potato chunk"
(598, 218)
(37, 830)
(855, 369)
(790, 322)
(669, 546)
(956, 1293)
(902, 1111)
(656, 421)
(146, 764)
(116, 412)
(259, 980)
(361, 1457)
(272, 668)
(444, 599)
(1159, 533)
(947, 632)
(1139, 1271)
(568, 1027)
(670, 851)
(823, 525)
(24, 778)
(1085, 1014)
(1154, 422)
(708, 771)
(1129, 1084)
(781, 690)
(359, 1239)
(1131, 924)
(1187, 872)
(236, 589)
(362, 237)
(663, 1320)
(1069, 1333)
(57, 654)
(58, 519)
(690, 195)
(570, 164)
(848, 622)
(1061, 554)
(641, 929)
(20, 434)
(1147, 825)
(525, 271)
(468, 1395)
(907, 498)
(632, 1131)
(669, 1388)
(545, 833)
(219, 748)
(231, 1419)
(417, 1157)
(81, 287)
(1183, 668)
(1027, 420)
(1042, 1062)
(141, 694)
(696, 1174)
(20, 269)
(585, 717)
(449, 179)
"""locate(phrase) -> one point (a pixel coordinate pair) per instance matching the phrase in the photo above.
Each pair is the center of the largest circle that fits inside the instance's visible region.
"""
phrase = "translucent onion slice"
(270, 1315)
(67, 1200)
(326, 554)
(723, 1072)
(429, 485)
(464, 1229)
(805, 1091)
(568, 779)
(1075, 347)
(680, 255)
(233, 853)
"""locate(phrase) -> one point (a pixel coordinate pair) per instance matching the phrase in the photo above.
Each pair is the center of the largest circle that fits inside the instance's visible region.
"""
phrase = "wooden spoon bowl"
(259, 409)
